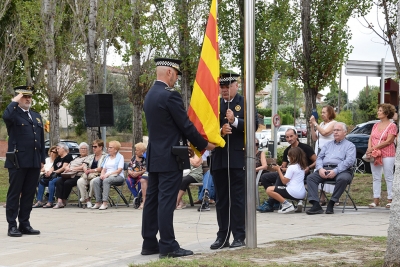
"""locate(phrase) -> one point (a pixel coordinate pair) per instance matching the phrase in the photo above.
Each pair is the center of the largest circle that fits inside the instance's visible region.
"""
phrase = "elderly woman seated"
(70, 176)
(111, 173)
(92, 168)
(136, 169)
(51, 176)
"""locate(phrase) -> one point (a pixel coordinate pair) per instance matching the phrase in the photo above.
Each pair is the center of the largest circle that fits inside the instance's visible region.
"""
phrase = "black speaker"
(99, 110)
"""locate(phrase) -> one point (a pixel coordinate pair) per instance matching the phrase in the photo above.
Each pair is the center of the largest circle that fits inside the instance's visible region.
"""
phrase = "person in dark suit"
(26, 138)
(167, 123)
(229, 177)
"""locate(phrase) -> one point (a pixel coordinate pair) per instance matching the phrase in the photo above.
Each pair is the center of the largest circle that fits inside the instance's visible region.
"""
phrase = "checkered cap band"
(168, 64)
(228, 79)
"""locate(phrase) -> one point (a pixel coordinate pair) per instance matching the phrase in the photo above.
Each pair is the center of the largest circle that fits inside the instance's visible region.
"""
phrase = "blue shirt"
(342, 154)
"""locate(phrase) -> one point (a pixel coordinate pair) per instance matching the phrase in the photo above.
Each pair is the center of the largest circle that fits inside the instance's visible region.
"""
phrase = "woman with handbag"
(194, 175)
(51, 176)
(70, 176)
(321, 134)
(381, 147)
(91, 169)
(46, 167)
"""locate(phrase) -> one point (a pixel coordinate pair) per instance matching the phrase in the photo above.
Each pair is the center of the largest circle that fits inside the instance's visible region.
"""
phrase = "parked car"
(72, 145)
(267, 133)
(262, 138)
(302, 128)
(364, 128)
(359, 136)
(282, 130)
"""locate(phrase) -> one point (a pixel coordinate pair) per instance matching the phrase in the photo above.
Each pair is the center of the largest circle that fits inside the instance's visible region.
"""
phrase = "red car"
(301, 128)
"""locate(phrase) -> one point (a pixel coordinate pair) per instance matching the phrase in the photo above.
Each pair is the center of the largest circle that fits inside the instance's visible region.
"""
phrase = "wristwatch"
(315, 125)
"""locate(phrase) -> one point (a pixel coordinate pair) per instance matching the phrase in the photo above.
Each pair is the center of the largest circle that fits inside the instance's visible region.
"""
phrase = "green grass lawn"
(361, 189)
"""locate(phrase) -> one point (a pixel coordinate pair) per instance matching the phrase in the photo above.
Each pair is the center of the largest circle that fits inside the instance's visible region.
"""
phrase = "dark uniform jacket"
(26, 136)
(167, 123)
(236, 140)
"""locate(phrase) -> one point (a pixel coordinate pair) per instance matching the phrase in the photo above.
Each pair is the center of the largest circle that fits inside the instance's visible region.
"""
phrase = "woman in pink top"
(382, 138)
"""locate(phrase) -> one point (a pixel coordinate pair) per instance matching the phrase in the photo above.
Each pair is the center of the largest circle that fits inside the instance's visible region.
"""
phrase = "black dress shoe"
(329, 211)
(29, 231)
(14, 232)
(219, 243)
(315, 210)
(237, 243)
(149, 251)
(177, 253)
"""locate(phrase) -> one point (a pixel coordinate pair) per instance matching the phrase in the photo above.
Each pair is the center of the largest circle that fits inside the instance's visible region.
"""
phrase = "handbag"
(44, 180)
(367, 158)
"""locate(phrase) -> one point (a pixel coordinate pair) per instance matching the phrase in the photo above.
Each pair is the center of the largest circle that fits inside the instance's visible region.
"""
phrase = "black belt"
(330, 166)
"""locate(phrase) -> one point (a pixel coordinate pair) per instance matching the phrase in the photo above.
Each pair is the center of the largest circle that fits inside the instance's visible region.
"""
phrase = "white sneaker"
(299, 206)
(89, 204)
(286, 208)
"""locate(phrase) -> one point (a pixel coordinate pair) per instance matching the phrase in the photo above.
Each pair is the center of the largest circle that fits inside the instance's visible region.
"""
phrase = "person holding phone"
(334, 162)
(321, 134)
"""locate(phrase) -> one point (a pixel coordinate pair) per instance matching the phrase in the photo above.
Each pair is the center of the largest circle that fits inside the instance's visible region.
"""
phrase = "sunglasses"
(94, 146)
(257, 144)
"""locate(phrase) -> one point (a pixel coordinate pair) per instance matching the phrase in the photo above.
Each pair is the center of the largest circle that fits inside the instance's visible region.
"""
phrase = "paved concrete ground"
(84, 237)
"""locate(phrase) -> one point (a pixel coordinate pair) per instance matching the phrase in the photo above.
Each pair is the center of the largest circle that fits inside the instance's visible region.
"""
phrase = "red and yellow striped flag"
(204, 104)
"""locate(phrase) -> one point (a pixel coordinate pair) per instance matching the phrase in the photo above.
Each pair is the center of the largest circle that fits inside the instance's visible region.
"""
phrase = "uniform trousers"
(158, 211)
(20, 195)
(342, 180)
(230, 193)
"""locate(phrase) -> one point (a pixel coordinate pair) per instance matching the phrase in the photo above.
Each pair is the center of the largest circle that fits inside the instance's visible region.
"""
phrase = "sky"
(367, 46)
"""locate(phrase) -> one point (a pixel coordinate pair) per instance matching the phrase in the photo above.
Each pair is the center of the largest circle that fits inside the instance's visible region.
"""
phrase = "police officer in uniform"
(26, 139)
(232, 129)
(167, 123)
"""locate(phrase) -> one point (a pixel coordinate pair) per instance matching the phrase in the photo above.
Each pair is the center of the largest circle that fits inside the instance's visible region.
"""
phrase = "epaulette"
(169, 89)
(33, 110)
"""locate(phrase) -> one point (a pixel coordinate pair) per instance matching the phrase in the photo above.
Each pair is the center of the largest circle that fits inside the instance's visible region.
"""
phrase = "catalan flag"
(204, 104)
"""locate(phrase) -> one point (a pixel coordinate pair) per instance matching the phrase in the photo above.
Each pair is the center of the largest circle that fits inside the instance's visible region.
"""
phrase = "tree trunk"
(49, 12)
(91, 48)
(183, 32)
(309, 93)
(392, 258)
(136, 88)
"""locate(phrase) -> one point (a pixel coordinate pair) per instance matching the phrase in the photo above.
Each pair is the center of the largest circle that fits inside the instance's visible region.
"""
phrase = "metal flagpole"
(251, 227)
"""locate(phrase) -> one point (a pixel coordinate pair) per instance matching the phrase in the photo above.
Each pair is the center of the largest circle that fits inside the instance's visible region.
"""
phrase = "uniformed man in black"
(229, 177)
(167, 123)
(26, 139)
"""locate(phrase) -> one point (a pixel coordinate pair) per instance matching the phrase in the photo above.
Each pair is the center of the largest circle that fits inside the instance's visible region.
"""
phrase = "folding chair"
(118, 187)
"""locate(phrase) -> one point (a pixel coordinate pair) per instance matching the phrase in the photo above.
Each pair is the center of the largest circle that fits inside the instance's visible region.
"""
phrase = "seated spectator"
(74, 170)
(59, 165)
(208, 184)
(46, 167)
(91, 169)
(290, 185)
(136, 169)
(270, 178)
(333, 163)
(194, 176)
(111, 173)
(261, 160)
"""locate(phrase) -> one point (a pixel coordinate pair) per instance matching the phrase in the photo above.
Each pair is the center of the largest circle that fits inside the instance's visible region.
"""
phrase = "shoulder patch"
(169, 89)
